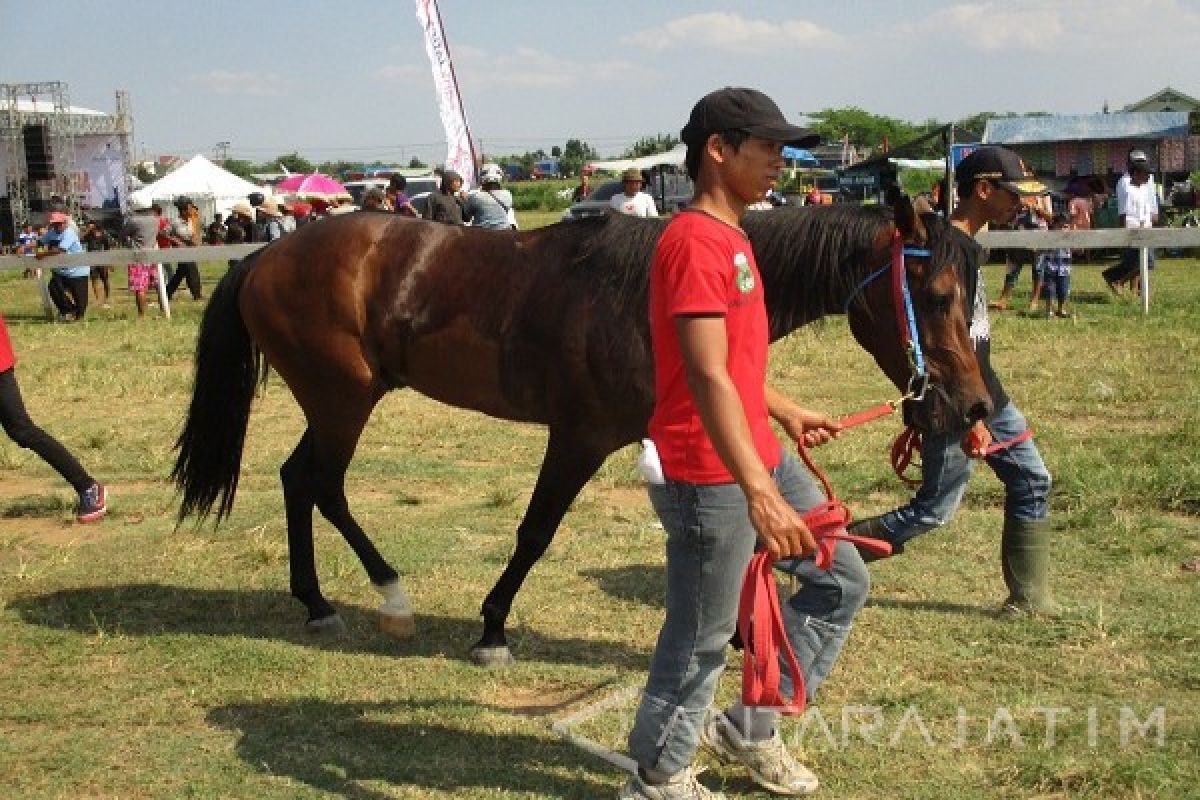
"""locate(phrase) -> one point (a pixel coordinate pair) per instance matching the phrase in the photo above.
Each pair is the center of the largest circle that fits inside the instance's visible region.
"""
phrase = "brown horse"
(547, 326)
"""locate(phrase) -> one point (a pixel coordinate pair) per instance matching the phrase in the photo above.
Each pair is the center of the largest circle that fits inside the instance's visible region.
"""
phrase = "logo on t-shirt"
(745, 276)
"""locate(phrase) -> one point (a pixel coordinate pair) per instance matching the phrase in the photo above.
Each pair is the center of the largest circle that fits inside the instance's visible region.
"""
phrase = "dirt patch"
(541, 701)
(21, 532)
(625, 498)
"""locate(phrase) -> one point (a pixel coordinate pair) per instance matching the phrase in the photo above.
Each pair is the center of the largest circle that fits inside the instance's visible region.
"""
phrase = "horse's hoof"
(326, 626)
(492, 656)
(400, 626)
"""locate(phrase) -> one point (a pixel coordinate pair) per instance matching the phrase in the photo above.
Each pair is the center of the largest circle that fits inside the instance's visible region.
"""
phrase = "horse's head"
(938, 368)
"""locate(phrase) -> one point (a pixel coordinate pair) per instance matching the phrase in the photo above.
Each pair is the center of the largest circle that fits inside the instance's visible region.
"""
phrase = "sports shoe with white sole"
(93, 503)
(769, 762)
(682, 786)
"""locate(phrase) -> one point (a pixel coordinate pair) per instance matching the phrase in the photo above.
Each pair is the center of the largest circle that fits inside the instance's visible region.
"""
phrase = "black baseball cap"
(746, 110)
(1002, 167)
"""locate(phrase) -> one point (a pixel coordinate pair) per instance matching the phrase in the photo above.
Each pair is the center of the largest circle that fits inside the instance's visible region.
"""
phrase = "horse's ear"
(907, 221)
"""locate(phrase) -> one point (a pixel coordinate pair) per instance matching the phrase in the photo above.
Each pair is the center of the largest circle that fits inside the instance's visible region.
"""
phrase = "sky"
(350, 79)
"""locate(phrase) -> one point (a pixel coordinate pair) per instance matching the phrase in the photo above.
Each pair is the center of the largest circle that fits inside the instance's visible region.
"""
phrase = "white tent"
(199, 178)
(672, 158)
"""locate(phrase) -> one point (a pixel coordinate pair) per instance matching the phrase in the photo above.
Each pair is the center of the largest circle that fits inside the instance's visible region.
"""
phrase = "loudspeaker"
(8, 227)
(38, 160)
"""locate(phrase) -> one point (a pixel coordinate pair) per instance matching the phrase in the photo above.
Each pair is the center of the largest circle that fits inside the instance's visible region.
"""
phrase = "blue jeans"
(945, 469)
(1056, 286)
(709, 544)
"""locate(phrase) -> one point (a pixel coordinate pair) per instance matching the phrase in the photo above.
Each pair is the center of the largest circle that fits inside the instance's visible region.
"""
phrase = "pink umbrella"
(315, 185)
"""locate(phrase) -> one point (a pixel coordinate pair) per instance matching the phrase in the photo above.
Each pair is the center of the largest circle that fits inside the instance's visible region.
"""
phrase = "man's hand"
(808, 428)
(779, 526)
(976, 441)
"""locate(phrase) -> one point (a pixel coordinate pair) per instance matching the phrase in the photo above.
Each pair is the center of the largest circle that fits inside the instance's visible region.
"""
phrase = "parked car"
(418, 189)
(674, 192)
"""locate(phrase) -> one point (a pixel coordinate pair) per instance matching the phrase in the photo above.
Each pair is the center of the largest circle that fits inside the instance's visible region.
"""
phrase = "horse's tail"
(229, 367)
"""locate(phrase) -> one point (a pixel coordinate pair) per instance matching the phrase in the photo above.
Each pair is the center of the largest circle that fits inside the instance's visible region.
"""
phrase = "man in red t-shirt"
(726, 482)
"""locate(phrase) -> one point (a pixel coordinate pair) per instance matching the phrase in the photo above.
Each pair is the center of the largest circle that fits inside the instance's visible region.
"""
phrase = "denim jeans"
(945, 469)
(709, 544)
(1056, 286)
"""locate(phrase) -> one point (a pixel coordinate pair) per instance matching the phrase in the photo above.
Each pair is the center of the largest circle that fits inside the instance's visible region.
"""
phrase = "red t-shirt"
(703, 266)
(7, 359)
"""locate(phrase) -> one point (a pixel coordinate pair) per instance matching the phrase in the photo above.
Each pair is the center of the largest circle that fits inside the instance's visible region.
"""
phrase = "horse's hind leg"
(299, 499)
(315, 476)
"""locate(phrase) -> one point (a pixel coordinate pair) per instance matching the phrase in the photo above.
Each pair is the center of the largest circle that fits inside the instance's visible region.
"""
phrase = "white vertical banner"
(460, 155)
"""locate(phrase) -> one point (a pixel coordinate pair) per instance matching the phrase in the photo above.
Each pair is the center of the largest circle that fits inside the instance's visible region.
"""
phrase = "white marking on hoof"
(395, 601)
(400, 626)
(396, 612)
(332, 624)
(492, 656)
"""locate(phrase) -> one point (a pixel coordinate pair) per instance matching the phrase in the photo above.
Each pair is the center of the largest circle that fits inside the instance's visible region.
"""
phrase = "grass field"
(149, 662)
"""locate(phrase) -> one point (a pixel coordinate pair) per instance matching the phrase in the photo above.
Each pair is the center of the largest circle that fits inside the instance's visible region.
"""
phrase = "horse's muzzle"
(939, 413)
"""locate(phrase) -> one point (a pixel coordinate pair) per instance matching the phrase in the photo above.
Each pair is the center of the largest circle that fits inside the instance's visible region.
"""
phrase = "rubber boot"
(874, 528)
(1025, 561)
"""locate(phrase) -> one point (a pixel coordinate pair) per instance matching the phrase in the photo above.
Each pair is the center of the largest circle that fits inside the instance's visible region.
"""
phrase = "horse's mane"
(950, 246)
(812, 259)
(615, 251)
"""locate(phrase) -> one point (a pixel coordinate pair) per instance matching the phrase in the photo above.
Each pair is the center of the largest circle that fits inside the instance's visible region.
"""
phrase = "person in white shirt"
(633, 201)
(1137, 207)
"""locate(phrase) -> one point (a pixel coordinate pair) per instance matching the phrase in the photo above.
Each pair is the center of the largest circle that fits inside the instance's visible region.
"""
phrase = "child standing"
(1055, 269)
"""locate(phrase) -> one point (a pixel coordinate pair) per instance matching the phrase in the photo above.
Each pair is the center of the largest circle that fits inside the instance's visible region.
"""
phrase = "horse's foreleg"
(567, 466)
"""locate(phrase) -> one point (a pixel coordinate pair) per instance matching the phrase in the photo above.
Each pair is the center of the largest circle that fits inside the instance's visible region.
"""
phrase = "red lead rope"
(908, 443)
(760, 620)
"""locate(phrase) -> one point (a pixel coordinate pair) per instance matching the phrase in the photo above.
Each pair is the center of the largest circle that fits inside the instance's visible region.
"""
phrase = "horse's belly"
(459, 366)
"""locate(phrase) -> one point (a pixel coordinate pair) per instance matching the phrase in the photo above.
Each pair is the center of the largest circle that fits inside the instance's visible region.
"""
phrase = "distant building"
(1167, 99)
(1098, 144)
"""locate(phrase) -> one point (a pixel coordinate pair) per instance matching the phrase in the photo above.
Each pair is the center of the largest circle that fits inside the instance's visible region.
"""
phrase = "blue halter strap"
(909, 331)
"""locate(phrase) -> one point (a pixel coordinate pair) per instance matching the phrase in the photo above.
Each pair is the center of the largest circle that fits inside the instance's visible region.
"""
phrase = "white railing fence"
(1143, 239)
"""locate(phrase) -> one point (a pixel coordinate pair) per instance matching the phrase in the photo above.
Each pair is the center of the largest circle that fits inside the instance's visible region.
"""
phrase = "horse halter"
(906, 320)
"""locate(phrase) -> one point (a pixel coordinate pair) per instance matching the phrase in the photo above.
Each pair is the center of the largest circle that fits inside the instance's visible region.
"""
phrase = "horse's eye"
(942, 302)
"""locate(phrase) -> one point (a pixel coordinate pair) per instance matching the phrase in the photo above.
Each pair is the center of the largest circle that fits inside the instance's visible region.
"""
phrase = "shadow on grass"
(646, 584)
(151, 609)
(342, 748)
(640, 583)
(930, 605)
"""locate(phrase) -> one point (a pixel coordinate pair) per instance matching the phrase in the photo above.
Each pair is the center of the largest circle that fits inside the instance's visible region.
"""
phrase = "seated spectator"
(239, 227)
(397, 200)
(69, 286)
(446, 204)
(584, 190)
(214, 234)
(288, 220)
(490, 206)
(272, 226)
(27, 241)
(302, 212)
(375, 200)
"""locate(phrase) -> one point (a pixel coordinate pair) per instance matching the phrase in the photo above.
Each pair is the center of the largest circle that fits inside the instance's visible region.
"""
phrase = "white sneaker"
(770, 763)
(682, 786)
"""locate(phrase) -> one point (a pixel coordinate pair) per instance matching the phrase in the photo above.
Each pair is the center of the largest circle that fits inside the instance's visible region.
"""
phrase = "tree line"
(864, 130)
